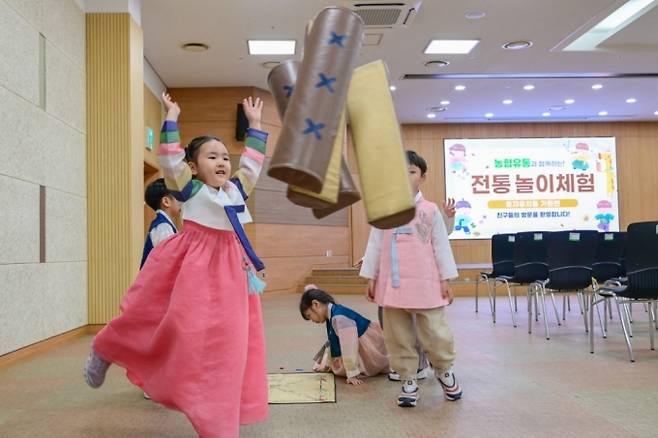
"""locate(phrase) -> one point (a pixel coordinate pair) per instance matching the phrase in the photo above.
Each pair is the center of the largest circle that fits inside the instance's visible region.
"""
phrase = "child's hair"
(155, 192)
(309, 296)
(416, 160)
(192, 149)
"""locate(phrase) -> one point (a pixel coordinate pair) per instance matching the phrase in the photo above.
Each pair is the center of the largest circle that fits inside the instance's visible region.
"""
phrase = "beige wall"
(43, 257)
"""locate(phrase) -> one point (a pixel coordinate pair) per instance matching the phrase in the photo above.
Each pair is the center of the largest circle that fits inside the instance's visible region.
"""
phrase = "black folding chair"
(570, 258)
(641, 285)
(609, 264)
(502, 258)
(530, 263)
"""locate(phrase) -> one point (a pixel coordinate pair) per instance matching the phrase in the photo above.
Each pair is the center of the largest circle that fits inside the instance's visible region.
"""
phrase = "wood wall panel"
(286, 273)
(115, 154)
(276, 240)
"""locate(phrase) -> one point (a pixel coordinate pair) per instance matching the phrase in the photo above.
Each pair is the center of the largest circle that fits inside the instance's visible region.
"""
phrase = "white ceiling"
(226, 26)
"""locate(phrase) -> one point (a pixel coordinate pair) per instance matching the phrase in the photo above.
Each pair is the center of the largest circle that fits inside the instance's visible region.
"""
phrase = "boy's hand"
(370, 292)
(252, 110)
(173, 110)
(449, 207)
(354, 381)
(446, 292)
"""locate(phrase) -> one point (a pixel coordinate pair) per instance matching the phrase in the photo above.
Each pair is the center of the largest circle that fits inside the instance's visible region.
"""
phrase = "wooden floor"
(515, 385)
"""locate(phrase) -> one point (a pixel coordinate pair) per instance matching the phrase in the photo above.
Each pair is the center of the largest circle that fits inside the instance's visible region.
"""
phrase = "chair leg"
(477, 292)
(591, 321)
(582, 308)
(622, 318)
(511, 307)
(630, 312)
(652, 327)
(530, 298)
(585, 309)
(569, 303)
(609, 308)
(543, 309)
(602, 320)
(557, 314)
(606, 306)
(493, 301)
(516, 307)
(564, 307)
(626, 305)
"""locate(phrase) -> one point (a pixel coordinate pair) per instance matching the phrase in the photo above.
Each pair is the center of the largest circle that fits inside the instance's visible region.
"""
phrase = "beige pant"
(433, 333)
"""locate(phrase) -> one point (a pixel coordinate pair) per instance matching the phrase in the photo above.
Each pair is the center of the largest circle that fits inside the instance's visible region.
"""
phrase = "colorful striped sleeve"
(171, 157)
(251, 161)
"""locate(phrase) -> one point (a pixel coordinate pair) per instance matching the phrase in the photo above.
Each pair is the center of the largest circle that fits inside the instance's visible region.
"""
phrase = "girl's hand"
(446, 292)
(173, 110)
(252, 110)
(370, 292)
(449, 207)
(354, 381)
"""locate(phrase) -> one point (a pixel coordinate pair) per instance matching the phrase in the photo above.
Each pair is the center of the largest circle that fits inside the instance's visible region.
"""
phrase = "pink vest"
(408, 275)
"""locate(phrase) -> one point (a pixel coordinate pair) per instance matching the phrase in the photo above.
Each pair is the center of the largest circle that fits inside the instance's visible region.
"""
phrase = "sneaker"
(420, 375)
(146, 396)
(408, 398)
(451, 389)
(95, 369)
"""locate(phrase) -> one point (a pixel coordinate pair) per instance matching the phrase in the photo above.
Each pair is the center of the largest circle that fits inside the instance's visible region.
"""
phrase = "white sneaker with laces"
(451, 389)
(408, 398)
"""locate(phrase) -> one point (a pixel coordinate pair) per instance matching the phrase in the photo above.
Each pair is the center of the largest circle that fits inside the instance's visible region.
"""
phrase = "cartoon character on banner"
(605, 216)
(581, 156)
(458, 159)
(463, 221)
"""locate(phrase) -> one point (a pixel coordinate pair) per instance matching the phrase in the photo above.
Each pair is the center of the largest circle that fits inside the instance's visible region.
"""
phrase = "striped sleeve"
(251, 161)
(171, 157)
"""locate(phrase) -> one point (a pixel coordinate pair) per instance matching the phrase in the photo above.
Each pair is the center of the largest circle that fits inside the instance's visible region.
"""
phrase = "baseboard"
(46, 344)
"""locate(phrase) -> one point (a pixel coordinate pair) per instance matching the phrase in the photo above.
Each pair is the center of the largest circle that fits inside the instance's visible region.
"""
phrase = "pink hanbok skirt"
(191, 336)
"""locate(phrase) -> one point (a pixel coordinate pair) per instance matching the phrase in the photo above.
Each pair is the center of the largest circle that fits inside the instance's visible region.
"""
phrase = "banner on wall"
(509, 185)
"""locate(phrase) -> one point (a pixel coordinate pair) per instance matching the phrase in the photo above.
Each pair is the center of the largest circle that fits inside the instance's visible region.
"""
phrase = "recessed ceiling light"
(557, 108)
(489, 115)
(528, 87)
(445, 102)
(450, 46)
(655, 113)
(431, 115)
(195, 47)
(517, 45)
(569, 101)
(436, 109)
(631, 100)
(270, 64)
(460, 87)
(475, 15)
(507, 101)
(437, 64)
(597, 86)
(546, 114)
(271, 47)
(393, 88)
(603, 113)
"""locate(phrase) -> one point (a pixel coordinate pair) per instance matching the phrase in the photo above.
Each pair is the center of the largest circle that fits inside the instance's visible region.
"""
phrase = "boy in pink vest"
(408, 270)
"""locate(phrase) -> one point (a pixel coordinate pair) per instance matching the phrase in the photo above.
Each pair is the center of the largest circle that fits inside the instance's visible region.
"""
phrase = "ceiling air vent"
(385, 14)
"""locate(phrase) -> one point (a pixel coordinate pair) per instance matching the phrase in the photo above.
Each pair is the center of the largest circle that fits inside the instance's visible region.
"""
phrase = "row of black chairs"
(626, 264)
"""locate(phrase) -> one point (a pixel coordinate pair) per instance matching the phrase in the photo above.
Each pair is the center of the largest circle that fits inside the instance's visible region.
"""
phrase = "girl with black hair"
(355, 345)
(190, 332)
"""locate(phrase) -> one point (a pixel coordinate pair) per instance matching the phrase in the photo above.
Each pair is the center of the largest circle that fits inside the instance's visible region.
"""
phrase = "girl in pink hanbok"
(190, 332)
